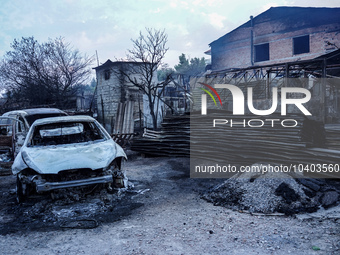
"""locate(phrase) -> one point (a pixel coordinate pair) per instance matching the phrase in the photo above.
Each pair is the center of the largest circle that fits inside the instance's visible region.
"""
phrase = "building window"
(262, 52)
(301, 44)
(107, 74)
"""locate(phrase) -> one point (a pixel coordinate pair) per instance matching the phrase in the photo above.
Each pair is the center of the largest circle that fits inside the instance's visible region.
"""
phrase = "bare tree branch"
(46, 73)
(146, 56)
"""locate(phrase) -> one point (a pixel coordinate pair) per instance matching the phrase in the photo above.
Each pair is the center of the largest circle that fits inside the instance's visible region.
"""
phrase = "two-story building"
(278, 35)
(273, 47)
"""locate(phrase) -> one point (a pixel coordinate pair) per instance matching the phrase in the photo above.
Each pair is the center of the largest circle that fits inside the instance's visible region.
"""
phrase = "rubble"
(187, 135)
(329, 198)
(68, 208)
(332, 136)
(162, 214)
(272, 192)
(5, 164)
(5, 157)
(173, 140)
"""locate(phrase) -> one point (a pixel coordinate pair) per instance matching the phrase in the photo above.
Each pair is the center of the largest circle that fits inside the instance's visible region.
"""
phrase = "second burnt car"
(65, 152)
(14, 126)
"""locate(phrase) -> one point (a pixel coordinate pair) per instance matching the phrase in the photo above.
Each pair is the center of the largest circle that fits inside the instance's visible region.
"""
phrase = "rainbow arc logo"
(209, 93)
(204, 97)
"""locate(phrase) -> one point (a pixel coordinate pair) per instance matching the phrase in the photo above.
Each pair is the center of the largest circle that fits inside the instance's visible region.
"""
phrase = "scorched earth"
(162, 212)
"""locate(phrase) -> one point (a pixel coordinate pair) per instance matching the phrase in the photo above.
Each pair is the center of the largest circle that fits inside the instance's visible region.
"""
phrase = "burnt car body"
(14, 126)
(28, 116)
(65, 152)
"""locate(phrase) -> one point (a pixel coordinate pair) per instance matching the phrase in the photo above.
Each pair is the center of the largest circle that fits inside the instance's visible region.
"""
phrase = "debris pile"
(85, 207)
(179, 133)
(5, 157)
(194, 136)
(332, 136)
(5, 164)
(244, 144)
(172, 141)
(273, 193)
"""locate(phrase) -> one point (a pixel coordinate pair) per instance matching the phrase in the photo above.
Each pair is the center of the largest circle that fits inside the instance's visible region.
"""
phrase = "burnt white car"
(65, 152)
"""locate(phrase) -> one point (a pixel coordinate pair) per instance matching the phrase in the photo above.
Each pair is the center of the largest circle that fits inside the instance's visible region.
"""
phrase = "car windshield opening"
(33, 117)
(65, 133)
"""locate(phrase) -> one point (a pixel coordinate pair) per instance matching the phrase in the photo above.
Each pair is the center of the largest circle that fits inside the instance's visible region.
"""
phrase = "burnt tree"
(148, 52)
(43, 73)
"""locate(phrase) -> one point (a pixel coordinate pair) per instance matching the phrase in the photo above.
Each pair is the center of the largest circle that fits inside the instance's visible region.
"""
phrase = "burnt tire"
(21, 195)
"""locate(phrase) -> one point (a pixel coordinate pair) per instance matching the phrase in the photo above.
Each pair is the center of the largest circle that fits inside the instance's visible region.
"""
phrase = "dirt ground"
(162, 214)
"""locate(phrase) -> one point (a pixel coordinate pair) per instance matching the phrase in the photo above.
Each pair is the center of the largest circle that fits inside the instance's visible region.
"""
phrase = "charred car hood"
(53, 159)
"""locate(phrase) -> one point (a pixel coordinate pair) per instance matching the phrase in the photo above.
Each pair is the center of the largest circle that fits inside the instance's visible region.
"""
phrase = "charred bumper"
(42, 185)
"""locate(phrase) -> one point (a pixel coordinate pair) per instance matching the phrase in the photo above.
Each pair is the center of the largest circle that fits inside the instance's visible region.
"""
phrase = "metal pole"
(323, 88)
(251, 41)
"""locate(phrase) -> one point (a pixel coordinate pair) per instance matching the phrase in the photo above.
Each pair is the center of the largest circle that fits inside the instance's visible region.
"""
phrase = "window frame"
(107, 74)
(256, 50)
(301, 49)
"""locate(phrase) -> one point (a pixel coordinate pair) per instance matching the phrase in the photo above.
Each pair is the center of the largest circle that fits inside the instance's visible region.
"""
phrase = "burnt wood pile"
(332, 136)
(305, 143)
(242, 143)
(173, 140)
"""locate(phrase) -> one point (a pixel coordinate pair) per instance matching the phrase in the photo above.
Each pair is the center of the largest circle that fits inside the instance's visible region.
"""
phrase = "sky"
(107, 26)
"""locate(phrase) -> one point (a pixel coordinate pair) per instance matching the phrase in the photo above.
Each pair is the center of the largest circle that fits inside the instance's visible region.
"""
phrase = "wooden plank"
(5, 168)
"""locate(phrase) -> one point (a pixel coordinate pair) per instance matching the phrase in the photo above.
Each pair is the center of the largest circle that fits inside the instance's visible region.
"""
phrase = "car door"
(19, 134)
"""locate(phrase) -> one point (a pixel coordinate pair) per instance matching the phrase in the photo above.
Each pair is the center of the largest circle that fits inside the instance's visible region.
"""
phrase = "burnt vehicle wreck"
(14, 126)
(67, 152)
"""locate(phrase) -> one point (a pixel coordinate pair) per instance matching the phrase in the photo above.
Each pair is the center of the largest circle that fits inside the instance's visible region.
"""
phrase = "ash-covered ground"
(161, 213)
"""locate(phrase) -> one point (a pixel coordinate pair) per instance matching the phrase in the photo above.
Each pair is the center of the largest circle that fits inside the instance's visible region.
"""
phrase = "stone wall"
(113, 89)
